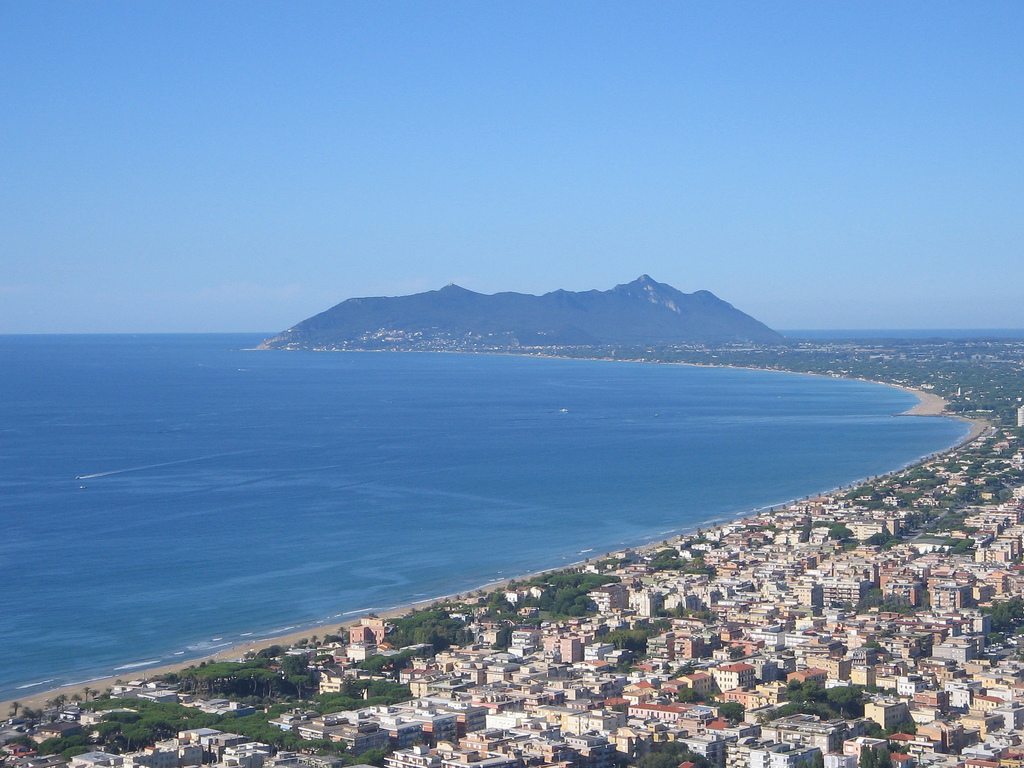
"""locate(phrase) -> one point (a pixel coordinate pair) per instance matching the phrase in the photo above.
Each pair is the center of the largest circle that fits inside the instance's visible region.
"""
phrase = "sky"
(225, 166)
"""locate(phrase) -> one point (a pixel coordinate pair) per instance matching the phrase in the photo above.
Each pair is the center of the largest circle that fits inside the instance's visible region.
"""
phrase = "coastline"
(928, 404)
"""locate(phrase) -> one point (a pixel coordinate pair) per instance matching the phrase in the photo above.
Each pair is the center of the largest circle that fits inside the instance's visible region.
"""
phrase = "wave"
(206, 646)
(137, 664)
(89, 680)
(33, 685)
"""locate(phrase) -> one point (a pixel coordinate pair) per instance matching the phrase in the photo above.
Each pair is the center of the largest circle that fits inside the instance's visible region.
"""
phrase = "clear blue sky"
(219, 166)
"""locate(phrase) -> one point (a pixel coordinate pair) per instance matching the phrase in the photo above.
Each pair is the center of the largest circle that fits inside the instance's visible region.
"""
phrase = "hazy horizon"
(195, 167)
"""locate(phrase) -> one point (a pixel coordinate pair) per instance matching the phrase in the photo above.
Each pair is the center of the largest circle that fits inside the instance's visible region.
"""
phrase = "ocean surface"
(163, 496)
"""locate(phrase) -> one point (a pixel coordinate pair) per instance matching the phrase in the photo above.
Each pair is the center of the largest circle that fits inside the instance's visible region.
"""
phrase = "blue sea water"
(162, 496)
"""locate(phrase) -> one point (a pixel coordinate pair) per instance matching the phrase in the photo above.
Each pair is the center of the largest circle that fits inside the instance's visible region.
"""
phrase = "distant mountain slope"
(641, 312)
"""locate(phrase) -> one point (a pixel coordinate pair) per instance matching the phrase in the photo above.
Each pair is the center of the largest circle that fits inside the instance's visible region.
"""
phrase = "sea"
(164, 496)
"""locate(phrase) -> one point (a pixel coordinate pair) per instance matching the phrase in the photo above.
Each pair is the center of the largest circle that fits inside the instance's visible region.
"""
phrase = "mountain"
(641, 312)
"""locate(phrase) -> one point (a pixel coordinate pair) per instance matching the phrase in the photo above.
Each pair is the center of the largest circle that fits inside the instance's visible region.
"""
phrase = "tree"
(503, 639)
(848, 699)
(670, 755)
(805, 532)
(839, 531)
(732, 711)
(634, 640)
(294, 664)
(687, 696)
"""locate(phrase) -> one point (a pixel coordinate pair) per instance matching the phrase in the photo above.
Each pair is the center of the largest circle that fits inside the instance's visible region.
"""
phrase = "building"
(729, 676)
(950, 596)
(709, 746)
(808, 730)
(570, 649)
(783, 756)
(887, 714)
(594, 750)
(610, 598)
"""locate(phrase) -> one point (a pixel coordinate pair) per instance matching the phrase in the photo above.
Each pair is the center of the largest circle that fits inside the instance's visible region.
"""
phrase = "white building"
(783, 756)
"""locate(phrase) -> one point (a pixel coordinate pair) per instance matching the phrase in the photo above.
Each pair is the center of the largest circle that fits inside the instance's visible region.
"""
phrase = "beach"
(930, 404)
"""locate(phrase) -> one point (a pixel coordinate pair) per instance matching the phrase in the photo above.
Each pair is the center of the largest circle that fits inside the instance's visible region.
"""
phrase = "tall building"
(1020, 416)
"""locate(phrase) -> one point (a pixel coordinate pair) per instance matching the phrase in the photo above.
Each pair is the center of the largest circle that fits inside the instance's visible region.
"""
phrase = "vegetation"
(565, 592)
(670, 755)
(732, 711)
(839, 532)
(870, 758)
(148, 722)
(666, 560)
(386, 665)
(634, 640)
(434, 627)
(812, 699)
(256, 678)
(1006, 615)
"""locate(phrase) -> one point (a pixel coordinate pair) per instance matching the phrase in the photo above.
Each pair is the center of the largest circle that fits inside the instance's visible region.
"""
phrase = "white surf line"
(137, 664)
(33, 685)
(83, 682)
(157, 466)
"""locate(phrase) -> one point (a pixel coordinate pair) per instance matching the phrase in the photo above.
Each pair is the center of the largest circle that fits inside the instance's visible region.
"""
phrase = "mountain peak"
(644, 281)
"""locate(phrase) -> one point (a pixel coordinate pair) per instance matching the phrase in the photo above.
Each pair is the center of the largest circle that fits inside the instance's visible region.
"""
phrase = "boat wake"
(111, 472)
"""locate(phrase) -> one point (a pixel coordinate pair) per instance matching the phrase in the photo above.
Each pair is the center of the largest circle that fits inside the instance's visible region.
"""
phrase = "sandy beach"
(929, 404)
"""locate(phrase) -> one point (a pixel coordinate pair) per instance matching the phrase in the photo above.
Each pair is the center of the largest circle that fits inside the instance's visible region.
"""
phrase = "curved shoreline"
(928, 404)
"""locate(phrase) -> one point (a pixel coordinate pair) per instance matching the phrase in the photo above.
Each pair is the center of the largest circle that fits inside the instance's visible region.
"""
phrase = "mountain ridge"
(642, 311)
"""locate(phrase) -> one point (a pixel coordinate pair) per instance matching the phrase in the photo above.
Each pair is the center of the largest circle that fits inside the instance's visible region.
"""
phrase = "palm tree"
(15, 706)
